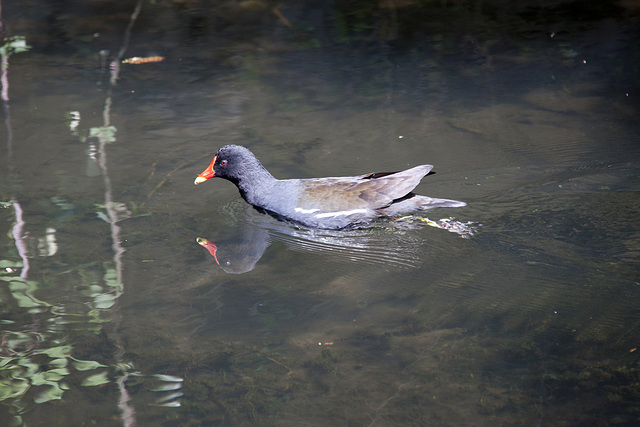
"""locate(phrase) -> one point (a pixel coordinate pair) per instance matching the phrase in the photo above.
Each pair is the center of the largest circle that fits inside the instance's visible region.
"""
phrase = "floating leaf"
(96, 379)
(143, 60)
(86, 365)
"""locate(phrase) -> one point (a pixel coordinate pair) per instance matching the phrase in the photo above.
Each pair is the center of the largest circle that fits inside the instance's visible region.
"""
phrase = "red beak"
(210, 246)
(206, 174)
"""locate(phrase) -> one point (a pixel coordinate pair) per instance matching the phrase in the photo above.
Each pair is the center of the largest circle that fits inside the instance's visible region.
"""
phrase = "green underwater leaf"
(167, 387)
(14, 44)
(169, 397)
(170, 404)
(38, 379)
(86, 365)
(26, 300)
(12, 388)
(51, 392)
(55, 374)
(59, 363)
(57, 352)
(96, 379)
(104, 301)
(6, 360)
(104, 133)
(5, 263)
(169, 378)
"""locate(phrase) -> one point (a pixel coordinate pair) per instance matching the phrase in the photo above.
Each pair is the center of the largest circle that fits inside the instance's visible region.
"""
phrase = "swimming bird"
(327, 203)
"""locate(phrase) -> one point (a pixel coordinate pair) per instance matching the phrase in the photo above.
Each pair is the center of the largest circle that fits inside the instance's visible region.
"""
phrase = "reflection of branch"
(127, 412)
(164, 180)
(283, 365)
(281, 17)
(17, 233)
(17, 230)
(4, 78)
(106, 135)
(167, 176)
(400, 387)
(111, 211)
(115, 66)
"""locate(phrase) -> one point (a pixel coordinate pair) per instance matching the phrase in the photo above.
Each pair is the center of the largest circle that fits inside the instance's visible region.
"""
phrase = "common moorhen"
(331, 203)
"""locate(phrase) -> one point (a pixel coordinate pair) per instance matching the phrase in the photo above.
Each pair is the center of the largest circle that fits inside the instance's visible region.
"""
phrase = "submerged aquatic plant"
(14, 44)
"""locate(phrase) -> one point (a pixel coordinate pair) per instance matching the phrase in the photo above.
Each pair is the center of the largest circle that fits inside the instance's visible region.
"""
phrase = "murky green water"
(112, 314)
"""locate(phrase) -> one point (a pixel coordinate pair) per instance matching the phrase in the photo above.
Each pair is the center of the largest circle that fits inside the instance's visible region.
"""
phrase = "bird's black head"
(233, 163)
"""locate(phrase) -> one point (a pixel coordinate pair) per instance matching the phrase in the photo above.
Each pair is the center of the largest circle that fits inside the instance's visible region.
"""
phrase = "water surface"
(112, 314)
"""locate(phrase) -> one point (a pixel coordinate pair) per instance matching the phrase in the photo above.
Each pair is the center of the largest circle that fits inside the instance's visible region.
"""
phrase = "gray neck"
(255, 184)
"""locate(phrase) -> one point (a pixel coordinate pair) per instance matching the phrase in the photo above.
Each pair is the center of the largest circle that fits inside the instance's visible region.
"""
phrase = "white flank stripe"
(341, 213)
(306, 210)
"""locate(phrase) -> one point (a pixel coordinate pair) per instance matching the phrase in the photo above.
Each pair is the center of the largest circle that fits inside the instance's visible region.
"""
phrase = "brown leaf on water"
(144, 60)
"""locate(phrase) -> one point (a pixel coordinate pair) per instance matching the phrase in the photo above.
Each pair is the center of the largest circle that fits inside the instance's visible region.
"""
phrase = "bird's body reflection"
(241, 244)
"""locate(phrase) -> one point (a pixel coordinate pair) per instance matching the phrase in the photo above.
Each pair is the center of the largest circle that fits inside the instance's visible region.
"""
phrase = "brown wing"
(370, 191)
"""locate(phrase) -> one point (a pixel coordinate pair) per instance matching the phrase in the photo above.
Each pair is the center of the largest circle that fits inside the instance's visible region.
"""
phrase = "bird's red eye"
(223, 162)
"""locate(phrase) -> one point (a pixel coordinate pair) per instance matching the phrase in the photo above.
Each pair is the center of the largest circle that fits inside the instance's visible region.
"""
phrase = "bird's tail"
(415, 202)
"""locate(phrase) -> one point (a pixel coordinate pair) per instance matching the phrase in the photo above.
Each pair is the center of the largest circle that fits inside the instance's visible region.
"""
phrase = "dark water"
(112, 314)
